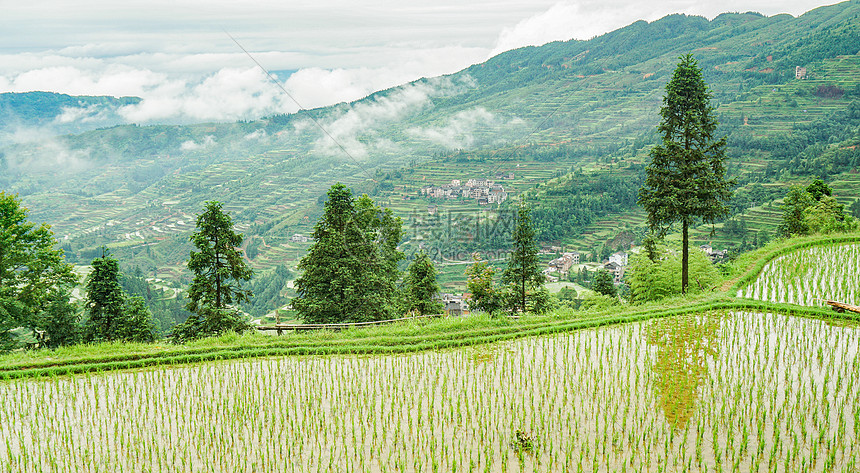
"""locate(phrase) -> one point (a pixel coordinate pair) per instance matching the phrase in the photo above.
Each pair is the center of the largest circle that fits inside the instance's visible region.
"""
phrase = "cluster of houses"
(564, 263)
(484, 191)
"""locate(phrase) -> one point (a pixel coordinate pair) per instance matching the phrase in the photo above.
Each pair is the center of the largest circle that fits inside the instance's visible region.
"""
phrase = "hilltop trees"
(685, 180)
(350, 272)
(33, 272)
(219, 270)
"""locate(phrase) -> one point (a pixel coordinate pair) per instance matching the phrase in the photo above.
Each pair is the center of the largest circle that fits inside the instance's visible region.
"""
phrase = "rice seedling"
(809, 276)
(717, 391)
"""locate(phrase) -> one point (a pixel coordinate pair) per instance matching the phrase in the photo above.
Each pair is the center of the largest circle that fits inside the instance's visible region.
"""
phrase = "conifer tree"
(219, 271)
(350, 272)
(139, 325)
(61, 321)
(685, 180)
(422, 287)
(523, 271)
(217, 264)
(105, 301)
(604, 283)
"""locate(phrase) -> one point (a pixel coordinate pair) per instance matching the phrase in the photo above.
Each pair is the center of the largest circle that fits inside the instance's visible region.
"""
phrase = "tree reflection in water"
(684, 345)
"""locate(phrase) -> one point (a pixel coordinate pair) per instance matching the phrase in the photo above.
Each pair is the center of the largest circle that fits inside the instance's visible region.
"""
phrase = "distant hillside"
(59, 112)
(562, 122)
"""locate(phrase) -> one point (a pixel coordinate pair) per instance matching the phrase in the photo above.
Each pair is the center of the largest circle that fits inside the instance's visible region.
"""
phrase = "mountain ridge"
(537, 112)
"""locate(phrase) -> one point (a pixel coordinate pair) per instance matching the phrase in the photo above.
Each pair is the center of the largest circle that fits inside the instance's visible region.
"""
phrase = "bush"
(652, 281)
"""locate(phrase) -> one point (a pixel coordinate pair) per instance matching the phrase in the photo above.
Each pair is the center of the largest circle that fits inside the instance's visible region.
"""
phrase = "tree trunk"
(217, 273)
(524, 293)
(685, 256)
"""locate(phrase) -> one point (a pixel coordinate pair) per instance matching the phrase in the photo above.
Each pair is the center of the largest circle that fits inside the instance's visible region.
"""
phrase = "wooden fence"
(280, 328)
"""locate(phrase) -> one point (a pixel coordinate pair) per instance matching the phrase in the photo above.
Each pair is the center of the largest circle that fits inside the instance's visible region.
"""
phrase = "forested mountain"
(58, 113)
(568, 123)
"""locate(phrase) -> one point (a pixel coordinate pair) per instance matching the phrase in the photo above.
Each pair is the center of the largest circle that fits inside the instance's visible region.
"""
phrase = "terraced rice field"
(721, 391)
(809, 277)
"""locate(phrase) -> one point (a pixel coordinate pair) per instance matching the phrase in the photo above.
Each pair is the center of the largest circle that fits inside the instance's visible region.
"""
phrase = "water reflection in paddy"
(720, 391)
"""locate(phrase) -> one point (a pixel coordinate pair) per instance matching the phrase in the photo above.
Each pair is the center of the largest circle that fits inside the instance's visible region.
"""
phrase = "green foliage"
(480, 283)
(217, 264)
(855, 208)
(61, 321)
(567, 293)
(686, 178)
(210, 321)
(139, 326)
(566, 208)
(112, 315)
(422, 287)
(104, 302)
(269, 289)
(167, 308)
(819, 189)
(523, 271)
(793, 206)
(813, 210)
(350, 272)
(32, 270)
(604, 283)
(540, 301)
(598, 302)
(828, 216)
(656, 280)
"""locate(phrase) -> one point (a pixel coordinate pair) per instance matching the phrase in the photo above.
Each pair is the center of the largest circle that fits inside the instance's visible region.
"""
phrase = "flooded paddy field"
(810, 276)
(721, 391)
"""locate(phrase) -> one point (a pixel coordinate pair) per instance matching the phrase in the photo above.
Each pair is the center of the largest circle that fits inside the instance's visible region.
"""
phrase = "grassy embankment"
(415, 336)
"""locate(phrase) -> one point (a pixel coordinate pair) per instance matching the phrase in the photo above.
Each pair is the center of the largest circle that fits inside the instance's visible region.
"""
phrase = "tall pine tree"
(105, 301)
(523, 271)
(217, 264)
(350, 272)
(219, 271)
(685, 180)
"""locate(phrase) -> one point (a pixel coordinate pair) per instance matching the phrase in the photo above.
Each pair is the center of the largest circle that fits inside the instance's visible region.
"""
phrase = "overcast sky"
(178, 57)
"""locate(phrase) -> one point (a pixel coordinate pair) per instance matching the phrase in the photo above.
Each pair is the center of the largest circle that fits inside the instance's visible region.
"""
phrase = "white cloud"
(92, 113)
(192, 145)
(460, 130)
(40, 152)
(557, 23)
(346, 129)
(256, 135)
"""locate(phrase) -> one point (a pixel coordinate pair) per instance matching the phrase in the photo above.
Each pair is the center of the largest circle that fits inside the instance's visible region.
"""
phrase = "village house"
(715, 255)
(454, 305)
(482, 190)
(800, 72)
(563, 263)
(619, 258)
(299, 238)
(615, 269)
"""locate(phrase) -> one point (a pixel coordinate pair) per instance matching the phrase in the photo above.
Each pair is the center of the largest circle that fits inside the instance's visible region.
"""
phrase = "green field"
(708, 384)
